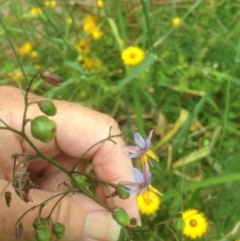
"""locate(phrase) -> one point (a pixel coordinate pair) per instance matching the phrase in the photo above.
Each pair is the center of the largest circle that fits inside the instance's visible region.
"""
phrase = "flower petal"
(150, 135)
(139, 141)
(138, 176)
(133, 149)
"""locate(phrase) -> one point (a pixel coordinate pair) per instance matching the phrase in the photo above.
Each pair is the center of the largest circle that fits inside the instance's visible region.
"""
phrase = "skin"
(78, 128)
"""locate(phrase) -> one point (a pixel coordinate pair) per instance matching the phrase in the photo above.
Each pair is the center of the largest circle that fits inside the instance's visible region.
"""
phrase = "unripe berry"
(179, 224)
(47, 107)
(58, 230)
(39, 223)
(121, 216)
(79, 181)
(123, 192)
(43, 129)
(42, 234)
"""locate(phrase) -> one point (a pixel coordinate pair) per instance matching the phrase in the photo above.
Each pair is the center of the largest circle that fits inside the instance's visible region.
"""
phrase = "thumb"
(84, 220)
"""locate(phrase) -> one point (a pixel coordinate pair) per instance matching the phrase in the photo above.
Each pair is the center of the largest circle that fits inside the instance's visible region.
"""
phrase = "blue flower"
(142, 182)
(141, 149)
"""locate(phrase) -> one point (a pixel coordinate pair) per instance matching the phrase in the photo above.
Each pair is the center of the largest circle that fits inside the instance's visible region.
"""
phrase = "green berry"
(121, 216)
(47, 107)
(58, 230)
(39, 223)
(43, 129)
(42, 234)
(179, 224)
(122, 192)
(79, 181)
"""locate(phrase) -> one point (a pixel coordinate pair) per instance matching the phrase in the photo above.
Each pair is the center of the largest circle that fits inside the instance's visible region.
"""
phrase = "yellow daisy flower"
(96, 33)
(148, 202)
(50, 4)
(25, 49)
(176, 21)
(196, 224)
(16, 76)
(36, 11)
(83, 47)
(100, 3)
(132, 56)
(87, 62)
(89, 23)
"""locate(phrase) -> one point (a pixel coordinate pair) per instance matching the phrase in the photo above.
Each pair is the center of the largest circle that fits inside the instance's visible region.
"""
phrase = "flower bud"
(58, 230)
(121, 216)
(43, 129)
(122, 192)
(51, 78)
(18, 230)
(47, 107)
(42, 234)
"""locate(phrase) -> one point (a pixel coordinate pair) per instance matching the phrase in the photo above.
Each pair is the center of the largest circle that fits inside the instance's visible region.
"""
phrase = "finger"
(82, 218)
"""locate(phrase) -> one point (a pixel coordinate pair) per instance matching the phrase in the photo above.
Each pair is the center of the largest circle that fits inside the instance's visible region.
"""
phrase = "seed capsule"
(43, 129)
(47, 107)
(121, 216)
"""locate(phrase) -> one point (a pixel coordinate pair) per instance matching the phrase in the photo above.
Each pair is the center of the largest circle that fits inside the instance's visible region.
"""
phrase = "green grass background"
(186, 90)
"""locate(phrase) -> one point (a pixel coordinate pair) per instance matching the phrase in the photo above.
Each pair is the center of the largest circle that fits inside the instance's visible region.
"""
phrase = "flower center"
(132, 55)
(143, 158)
(193, 223)
(147, 199)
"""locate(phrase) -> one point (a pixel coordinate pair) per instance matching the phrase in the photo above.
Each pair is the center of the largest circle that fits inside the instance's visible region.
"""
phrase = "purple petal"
(150, 135)
(134, 187)
(133, 155)
(132, 149)
(139, 141)
(149, 178)
(138, 176)
(148, 144)
(147, 175)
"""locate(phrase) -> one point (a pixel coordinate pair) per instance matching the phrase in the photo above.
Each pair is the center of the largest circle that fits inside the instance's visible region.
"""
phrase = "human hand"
(78, 128)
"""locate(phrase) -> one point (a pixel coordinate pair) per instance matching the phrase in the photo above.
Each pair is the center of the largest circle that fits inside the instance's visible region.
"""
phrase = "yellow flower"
(196, 224)
(132, 56)
(148, 202)
(87, 62)
(36, 11)
(83, 47)
(176, 21)
(16, 76)
(89, 23)
(96, 33)
(69, 21)
(100, 3)
(25, 49)
(34, 54)
(51, 4)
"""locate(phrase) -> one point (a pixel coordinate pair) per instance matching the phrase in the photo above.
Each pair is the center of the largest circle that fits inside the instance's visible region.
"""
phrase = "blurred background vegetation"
(186, 89)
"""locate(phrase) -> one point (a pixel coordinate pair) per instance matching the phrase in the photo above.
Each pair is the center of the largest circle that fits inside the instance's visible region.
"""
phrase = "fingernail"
(100, 225)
